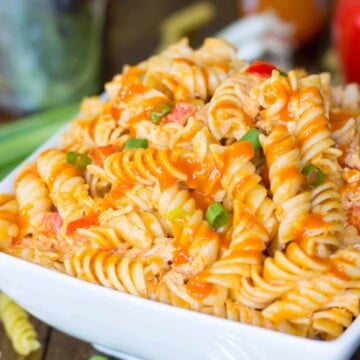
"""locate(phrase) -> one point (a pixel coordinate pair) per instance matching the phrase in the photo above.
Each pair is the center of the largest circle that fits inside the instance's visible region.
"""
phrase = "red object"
(261, 68)
(99, 154)
(52, 223)
(84, 223)
(180, 113)
(346, 37)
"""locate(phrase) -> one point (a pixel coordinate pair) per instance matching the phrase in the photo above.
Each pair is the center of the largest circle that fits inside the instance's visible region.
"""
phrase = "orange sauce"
(198, 288)
(311, 224)
(132, 74)
(338, 118)
(202, 201)
(204, 177)
(84, 222)
(99, 154)
(29, 171)
(250, 244)
(160, 164)
(275, 150)
(23, 223)
(7, 216)
(285, 114)
(236, 150)
(117, 193)
(290, 173)
(181, 257)
(225, 240)
(226, 109)
(129, 91)
(184, 60)
(344, 153)
(339, 271)
(311, 129)
(115, 111)
(254, 257)
(184, 237)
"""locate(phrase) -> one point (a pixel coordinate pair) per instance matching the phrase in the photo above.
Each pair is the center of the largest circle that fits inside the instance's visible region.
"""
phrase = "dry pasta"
(17, 326)
(207, 183)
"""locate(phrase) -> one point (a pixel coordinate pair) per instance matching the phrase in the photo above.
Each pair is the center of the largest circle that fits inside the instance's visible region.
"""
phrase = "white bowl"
(130, 327)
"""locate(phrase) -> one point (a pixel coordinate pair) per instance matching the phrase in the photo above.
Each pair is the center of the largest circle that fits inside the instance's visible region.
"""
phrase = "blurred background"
(53, 52)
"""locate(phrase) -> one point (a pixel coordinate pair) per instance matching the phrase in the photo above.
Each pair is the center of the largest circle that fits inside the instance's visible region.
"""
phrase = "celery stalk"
(7, 168)
(32, 122)
(20, 138)
(24, 144)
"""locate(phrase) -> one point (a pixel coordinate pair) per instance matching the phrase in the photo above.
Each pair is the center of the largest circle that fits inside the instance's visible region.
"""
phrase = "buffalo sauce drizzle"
(312, 225)
(337, 120)
(197, 286)
(23, 217)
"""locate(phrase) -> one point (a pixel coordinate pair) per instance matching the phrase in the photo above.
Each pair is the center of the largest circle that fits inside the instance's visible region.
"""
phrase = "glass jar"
(49, 52)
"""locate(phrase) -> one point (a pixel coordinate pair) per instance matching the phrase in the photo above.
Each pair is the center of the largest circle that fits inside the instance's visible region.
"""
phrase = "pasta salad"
(207, 183)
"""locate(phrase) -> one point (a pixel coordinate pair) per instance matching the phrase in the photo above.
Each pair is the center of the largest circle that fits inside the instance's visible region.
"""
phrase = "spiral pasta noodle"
(141, 166)
(9, 211)
(33, 199)
(231, 109)
(313, 133)
(66, 185)
(18, 327)
(204, 182)
(283, 160)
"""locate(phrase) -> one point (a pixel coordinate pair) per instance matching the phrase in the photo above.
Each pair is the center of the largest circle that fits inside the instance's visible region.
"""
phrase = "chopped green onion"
(252, 136)
(177, 213)
(72, 156)
(216, 215)
(81, 161)
(314, 175)
(160, 111)
(98, 357)
(134, 143)
(282, 73)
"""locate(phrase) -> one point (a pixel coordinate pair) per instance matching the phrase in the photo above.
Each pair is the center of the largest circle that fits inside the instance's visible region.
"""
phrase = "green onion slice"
(81, 161)
(160, 111)
(252, 136)
(177, 213)
(98, 357)
(72, 156)
(134, 143)
(282, 73)
(216, 215)
(314, 175)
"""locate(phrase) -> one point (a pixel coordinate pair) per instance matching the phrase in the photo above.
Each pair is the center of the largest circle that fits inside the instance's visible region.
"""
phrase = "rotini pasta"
(207, 183)
(17, 326)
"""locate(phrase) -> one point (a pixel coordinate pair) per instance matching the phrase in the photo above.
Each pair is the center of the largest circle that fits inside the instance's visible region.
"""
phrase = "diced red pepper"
(84, 223)
(99, 154)
(261, 68)
(52, 223)
(180, 113)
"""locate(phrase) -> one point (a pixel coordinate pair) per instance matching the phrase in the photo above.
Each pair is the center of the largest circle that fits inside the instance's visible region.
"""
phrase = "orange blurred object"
(308, 16)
